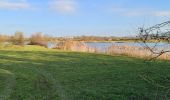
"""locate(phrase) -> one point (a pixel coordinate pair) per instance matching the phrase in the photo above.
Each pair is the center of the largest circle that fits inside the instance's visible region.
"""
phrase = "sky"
(81, 17)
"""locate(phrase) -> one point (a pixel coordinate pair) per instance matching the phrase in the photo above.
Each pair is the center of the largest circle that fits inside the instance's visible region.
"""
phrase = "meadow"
(37, 73)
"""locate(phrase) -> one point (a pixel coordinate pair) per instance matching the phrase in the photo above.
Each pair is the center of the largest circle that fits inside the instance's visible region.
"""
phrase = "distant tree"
(38, 39)
(47, 37)
(4, 38)
(18, 38)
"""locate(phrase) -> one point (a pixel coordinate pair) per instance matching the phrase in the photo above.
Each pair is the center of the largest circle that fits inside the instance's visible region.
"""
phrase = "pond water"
(103, 46)
(52, 44)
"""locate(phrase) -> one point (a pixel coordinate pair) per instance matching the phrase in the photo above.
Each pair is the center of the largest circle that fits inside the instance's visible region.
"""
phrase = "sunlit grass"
(23, 48)
(35, 74)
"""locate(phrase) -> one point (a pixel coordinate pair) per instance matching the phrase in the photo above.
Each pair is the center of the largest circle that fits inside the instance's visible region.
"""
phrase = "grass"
(11, 47)
(56, 75)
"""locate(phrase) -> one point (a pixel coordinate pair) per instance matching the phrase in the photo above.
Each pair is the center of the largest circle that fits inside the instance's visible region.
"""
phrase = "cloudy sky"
(81, 17)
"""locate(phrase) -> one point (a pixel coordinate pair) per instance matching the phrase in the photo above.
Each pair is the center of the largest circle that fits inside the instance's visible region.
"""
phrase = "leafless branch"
(155, 34)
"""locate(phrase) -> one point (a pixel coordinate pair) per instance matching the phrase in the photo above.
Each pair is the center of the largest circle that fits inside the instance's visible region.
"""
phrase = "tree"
(3, 38)
(38, 39)
(156, 34)
(18, 38)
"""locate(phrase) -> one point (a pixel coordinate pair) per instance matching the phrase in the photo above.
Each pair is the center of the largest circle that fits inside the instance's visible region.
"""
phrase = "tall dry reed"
(134, 51)
(75, 46)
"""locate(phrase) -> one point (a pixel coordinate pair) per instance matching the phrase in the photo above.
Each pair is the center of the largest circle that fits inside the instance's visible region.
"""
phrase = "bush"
(3, 38)
(38, 39)
(18, 38)
(74, 46)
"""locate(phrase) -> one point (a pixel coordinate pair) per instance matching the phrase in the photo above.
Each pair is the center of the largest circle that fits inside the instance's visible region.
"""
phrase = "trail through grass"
(7, 84)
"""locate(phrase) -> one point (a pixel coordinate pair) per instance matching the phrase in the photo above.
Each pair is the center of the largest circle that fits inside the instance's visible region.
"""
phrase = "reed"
(134, 51)
(75, 46)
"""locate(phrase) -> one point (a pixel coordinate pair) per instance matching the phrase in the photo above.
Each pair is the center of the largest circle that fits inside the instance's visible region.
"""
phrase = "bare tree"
(3, 38)
(38, 39)
(159, 35)
(18, 38)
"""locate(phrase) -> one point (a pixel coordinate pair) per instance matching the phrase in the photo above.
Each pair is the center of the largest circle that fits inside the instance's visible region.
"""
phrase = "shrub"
(74, 46)
(38, 39)
(3, 38)
(18, 38)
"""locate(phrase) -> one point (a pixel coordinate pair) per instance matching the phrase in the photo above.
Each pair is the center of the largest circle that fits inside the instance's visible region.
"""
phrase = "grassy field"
(35, 74)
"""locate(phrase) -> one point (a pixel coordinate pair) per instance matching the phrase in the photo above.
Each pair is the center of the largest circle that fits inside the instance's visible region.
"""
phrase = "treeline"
(40, 39)
(20, 39)
(99, 38)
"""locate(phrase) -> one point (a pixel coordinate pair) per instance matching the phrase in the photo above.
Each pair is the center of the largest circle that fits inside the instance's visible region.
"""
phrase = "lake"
(103, 46)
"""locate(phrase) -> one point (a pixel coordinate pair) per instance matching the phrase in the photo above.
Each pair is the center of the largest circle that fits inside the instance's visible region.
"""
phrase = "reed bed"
(134, 51)
(75, 46)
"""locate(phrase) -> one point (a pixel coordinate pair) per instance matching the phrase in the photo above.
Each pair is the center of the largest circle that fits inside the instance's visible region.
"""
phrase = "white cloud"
(63, 6)
(14, 4)
(155, 13)
(134, 13)
(140, 12)
(162, 13)
(127, 11)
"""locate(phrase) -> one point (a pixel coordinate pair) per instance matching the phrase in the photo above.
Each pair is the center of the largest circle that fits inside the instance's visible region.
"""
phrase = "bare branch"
(156, 34)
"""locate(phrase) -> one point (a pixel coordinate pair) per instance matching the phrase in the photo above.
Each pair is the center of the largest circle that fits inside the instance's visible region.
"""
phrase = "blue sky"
(81, 17)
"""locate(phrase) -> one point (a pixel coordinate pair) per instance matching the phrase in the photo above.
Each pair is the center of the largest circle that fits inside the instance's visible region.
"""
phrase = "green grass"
(57, 75)
(11, 47)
